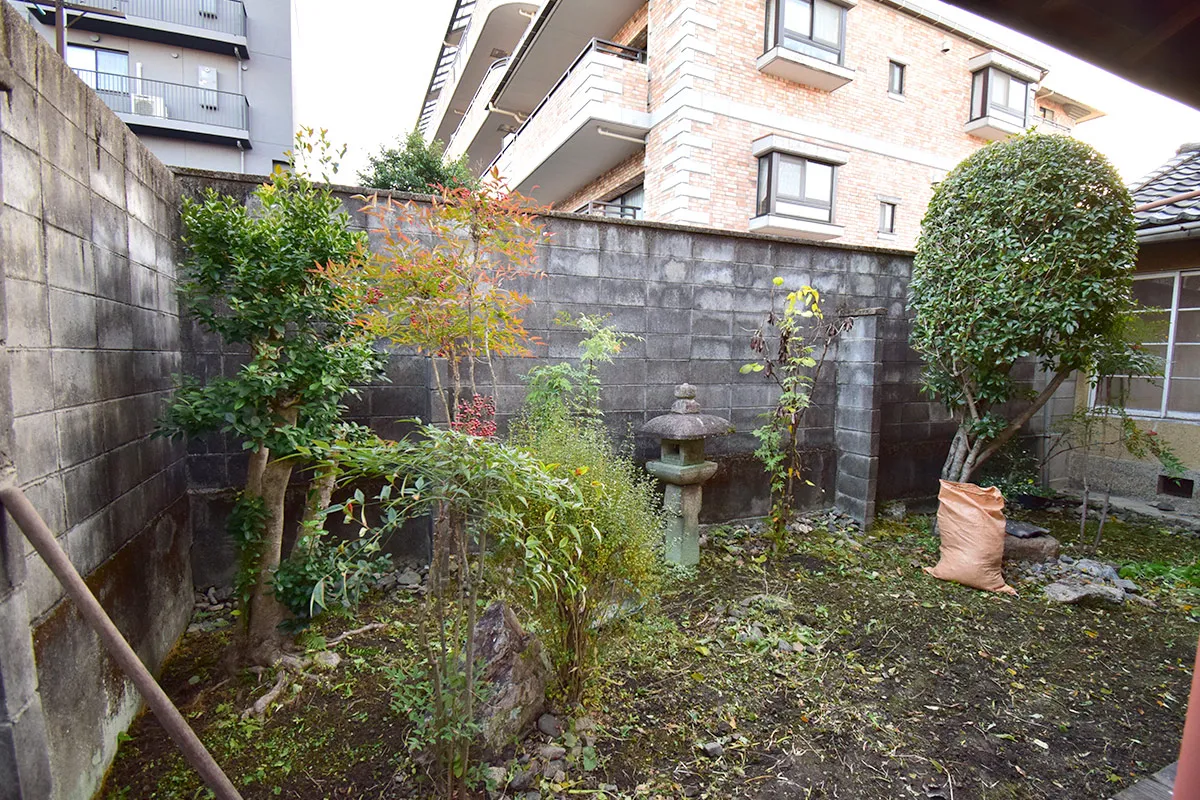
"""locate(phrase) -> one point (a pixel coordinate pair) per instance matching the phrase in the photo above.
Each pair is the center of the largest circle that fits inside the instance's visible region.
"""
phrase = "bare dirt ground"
(837, 669)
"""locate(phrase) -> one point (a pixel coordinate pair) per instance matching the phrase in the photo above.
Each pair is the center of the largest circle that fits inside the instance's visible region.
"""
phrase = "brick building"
(812, 119)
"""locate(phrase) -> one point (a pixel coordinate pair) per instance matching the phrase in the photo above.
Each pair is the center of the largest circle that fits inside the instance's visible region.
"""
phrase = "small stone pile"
(561, 753)
(1083, 581)
(409, 577)
(212, 609)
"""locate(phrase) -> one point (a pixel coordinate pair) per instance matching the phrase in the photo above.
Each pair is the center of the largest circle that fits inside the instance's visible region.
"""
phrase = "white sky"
(361, 72)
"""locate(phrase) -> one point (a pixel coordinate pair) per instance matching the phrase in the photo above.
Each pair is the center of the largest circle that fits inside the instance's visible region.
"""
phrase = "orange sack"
(971, 524)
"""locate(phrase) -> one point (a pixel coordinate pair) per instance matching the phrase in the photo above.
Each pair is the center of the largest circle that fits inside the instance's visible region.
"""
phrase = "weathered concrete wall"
(91, 340)
(694, 296)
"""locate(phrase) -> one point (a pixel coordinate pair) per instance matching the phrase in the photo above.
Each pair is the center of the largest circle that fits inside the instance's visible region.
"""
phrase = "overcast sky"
(360, 69)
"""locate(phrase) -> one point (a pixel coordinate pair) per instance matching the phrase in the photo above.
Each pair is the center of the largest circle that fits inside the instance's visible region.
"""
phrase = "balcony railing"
(218, 16)
(598, 208)
(594, 46)
(170, 105)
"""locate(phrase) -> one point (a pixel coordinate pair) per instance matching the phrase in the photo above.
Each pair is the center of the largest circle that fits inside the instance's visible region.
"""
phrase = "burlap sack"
(971, 524)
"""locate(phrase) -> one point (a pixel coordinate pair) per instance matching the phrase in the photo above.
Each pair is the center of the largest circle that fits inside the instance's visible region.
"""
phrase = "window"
(995, 92)
(103, 70)
(1170, 317)
(887, 216)
(625, 206)
(896, 77)
(1048, 114)
(813, 27)
(795, 187)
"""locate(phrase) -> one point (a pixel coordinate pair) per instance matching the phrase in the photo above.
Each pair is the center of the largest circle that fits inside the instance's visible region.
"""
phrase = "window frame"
(989, 106)
(774, 29)
(117, 83)
(766, 202)
(884, 205)
(1166, 379)
(897, 68)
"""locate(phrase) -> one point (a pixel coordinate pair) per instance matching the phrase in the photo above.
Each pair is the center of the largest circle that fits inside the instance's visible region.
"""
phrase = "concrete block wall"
(693, 296)
(91, 340)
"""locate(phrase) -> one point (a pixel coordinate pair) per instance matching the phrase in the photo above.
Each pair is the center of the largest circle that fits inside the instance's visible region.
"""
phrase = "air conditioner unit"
(148, 105)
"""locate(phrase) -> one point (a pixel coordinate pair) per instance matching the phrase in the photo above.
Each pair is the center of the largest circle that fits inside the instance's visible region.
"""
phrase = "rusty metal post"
(42, 539)
(1187, 776)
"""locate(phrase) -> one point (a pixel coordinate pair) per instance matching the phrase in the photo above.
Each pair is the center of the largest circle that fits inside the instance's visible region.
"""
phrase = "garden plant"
(257, 280)
(791, 345)
(1026, 252)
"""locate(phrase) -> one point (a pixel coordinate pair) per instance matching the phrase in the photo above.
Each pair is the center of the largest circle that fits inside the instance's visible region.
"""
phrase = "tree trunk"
(320, 494)
(263, 645)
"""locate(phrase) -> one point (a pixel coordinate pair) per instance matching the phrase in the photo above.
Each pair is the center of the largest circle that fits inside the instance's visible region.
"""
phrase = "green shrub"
(618, 564)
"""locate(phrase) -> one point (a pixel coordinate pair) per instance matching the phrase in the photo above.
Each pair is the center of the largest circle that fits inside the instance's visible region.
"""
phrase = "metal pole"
(60, 28)
(42, 539)
(1187, 776)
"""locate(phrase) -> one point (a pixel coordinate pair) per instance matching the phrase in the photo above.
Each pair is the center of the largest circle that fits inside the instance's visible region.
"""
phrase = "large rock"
(1023, 530)
(515, 669)
(1085, 594)
(1035, 549)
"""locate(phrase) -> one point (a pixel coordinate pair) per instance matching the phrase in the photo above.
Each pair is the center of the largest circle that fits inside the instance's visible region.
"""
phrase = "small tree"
(256, 279)
(416, 166)
(437, 284)
(785, 346)
(1109, 424)
(1026, 252)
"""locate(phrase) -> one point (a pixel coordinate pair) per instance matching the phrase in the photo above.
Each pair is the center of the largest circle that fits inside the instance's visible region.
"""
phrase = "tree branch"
(1020, 420)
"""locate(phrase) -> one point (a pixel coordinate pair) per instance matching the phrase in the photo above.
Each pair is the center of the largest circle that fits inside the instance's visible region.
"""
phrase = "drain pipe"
(42, 539)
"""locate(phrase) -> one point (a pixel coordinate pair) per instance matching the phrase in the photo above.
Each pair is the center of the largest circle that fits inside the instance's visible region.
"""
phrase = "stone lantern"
(682, 468)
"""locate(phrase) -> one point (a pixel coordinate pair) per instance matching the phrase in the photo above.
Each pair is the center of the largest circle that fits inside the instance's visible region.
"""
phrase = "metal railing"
(219, 16)
(473, 110)
(142, 97)
(613, 210)
(595, 45)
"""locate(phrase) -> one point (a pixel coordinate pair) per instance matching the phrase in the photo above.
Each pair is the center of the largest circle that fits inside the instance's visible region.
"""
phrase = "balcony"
(216, 26)
(491, 32)
(174, 110)
(594, 118)
(611, 210)
(481, 132)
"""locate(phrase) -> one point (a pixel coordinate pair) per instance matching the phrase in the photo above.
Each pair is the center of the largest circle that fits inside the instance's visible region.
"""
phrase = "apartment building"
(205, 83)
(827, 120)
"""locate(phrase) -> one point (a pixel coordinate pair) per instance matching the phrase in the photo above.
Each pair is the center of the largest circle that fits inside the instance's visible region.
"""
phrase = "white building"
(205, 83)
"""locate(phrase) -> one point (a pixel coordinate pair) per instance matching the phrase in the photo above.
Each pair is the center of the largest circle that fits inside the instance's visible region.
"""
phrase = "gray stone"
(326, 660)
(1085, 594)
(548, 724)
(495, 776)
(515, 669)
(1097, 569)
(1128, 585)
(713, 749)
(552, 752)
(1036, 549)
(408, 578)
(522, 779)
(785, 646)
(1023, 530)
(553, 769)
